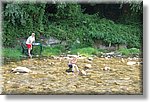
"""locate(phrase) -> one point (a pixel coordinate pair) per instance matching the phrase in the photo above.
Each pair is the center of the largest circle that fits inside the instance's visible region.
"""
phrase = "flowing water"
(49, 76)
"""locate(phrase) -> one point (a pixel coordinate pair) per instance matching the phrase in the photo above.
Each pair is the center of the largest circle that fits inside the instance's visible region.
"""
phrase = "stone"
(88, 66)
(30, 87)
(122, 60)
(106, 68)
(131, 63)
(139, 63)
(83, 72)
(90, 58)
(8, 82)
(21, 70)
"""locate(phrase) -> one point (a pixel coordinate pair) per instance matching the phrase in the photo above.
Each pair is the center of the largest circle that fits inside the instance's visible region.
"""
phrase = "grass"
(85, 51)
(128, 52)
(56, 50)
(11, 53)
(15, 53)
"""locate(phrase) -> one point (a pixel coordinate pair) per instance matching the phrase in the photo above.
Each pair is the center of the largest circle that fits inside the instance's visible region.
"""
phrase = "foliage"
(11, 53)
(20, 20)
(55, 50)
(68, 11)
(112, 33)
(133, 13)
(131, 51)
(85, 51)
(36, 50)
(68, 24)
(137, 7)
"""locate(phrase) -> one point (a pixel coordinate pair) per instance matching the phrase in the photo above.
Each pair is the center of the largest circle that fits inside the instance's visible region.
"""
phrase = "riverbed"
(106, 76)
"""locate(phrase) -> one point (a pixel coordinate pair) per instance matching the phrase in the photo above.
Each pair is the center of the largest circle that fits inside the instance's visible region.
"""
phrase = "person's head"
(33, 34)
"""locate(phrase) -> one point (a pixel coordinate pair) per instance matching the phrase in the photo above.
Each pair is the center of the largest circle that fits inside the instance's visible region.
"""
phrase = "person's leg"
(72, 68)
(29, 50)
(76, 67)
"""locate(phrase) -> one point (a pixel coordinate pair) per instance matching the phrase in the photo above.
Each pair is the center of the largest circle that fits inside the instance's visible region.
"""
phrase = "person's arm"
(74, 60)
(34, 40)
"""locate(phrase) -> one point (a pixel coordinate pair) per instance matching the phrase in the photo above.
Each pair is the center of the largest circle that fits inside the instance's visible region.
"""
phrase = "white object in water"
(21, 70)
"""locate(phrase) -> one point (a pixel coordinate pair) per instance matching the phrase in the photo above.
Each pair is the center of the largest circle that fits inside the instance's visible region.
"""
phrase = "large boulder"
(21, 70)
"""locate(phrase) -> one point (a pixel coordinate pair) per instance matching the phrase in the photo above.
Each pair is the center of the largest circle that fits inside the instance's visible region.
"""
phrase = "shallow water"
(49, 76)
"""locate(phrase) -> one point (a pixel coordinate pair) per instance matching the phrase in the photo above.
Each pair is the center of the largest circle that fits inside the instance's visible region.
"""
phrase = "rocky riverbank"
(49, 76)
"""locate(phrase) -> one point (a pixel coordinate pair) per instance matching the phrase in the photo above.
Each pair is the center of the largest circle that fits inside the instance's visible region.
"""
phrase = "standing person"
(29, 42)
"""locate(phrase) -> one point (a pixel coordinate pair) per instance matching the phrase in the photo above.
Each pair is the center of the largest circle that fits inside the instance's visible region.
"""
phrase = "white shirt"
(30, 40)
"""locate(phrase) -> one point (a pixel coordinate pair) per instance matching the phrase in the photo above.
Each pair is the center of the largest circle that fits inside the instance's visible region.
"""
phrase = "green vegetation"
(85, 51)
(56, 50)
(11, 53)
(75, 24)
(15, 53)
(131, 51)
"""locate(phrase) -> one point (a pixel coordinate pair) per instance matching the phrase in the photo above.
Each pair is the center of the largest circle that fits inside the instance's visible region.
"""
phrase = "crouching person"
(72, 65)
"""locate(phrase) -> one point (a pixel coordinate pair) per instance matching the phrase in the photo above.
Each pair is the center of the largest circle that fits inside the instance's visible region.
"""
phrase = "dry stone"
(88, 66)
(21, 70)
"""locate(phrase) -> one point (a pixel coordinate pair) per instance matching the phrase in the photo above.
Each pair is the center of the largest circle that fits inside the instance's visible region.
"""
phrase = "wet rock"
(90, 58)
(51, 63)
(106, 58)
(83, 72)
(88, 66)
(140, 63)
(15, 86)
(35, 62)
(114, 90)
(122, 60)
(106, 68)
(30, 87)
(8, 82)
(87, 61)
(21, 70)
